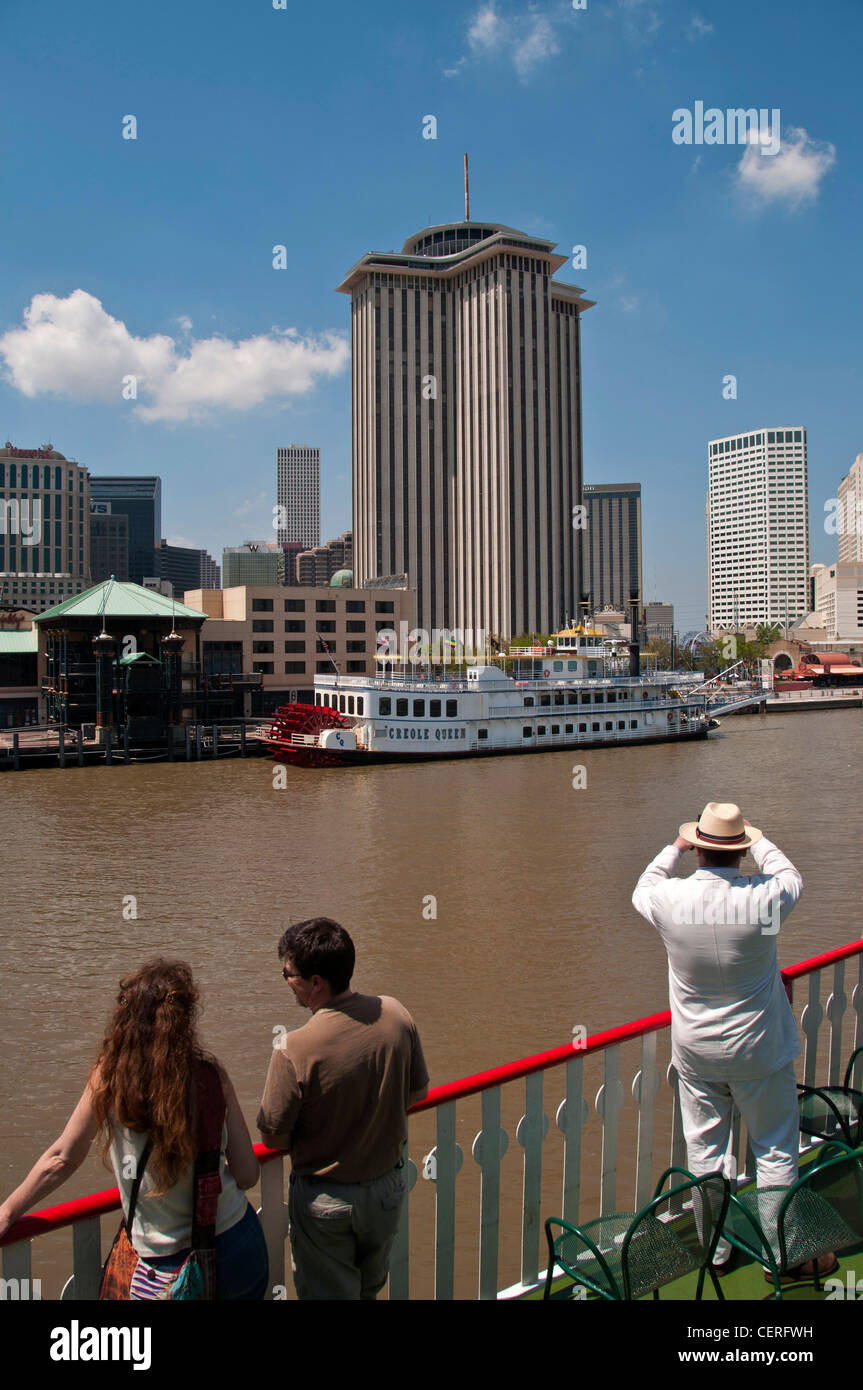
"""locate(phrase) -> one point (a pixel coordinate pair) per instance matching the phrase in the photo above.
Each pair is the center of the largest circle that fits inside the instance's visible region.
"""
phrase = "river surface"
(491, 897)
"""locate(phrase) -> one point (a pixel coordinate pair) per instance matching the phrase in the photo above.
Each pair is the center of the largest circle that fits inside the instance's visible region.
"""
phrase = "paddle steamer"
(577, 691)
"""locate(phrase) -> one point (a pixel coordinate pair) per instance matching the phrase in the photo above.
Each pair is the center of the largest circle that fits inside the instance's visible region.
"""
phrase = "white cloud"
(487, 29)
(535, 47)
(525, 40)
(72, 347)
(793, 175)
(698, 27)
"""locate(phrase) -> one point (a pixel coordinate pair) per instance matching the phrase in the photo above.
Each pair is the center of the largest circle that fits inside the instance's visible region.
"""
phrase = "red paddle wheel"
(308, 720)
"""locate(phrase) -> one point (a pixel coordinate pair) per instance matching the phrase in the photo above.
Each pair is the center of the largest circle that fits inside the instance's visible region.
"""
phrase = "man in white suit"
(733, 1035)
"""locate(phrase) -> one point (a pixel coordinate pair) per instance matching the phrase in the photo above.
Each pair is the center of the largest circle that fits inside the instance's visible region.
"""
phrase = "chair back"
(675, 1234)
(823, 1210)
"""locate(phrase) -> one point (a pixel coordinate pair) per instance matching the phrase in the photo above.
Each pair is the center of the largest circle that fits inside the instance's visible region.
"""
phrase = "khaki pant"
(341, 1234)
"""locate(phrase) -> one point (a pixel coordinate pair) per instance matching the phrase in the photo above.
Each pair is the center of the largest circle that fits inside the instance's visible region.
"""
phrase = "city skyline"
(211, 353)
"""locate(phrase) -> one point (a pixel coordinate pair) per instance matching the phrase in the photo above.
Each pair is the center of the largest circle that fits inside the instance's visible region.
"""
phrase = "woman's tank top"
(163, 1224)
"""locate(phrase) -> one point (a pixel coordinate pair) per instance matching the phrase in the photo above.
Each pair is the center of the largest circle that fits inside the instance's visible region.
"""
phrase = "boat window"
(609, 724)
(350, 704)
(572, 665)
(611, 697)
(401, 706)
(555, 728)
(623, 695)
(482, 733)
(451, 709)
(558, 697)
(598, 698)
(419, 708)
(582, 728)
(343, 704)
(633, 723)
(526, 731)
(585, 699)
(595, 728)
(434, 709)
(591, 668)
(558, 665)
(621, 723)
(567, 728)
(359, 704)
(528, 700)
(571, 697)
(545, 699)
(384, 704)
(541, 729)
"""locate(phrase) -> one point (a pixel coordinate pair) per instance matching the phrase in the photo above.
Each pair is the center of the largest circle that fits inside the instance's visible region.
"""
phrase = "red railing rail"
(101, 1203)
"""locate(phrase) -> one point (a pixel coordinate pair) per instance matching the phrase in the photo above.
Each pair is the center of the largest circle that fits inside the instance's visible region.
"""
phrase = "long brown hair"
(144, 1077)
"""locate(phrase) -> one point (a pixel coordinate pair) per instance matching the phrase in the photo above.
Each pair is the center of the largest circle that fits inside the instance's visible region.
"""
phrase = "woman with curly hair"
(142, 1097)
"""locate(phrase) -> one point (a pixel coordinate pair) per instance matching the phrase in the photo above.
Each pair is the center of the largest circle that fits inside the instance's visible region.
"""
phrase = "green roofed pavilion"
(119, 599)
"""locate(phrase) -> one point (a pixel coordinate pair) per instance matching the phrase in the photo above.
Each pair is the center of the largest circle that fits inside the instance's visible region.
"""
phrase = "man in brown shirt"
(337, 1095)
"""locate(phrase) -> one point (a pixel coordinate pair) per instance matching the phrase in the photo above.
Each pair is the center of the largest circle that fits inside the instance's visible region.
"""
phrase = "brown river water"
(530, 933)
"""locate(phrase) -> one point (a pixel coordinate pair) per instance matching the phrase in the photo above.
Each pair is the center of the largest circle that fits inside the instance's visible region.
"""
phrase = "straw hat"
(720, 826)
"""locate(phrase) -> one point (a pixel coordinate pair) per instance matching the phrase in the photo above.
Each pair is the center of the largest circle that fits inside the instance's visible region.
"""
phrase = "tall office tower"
(109, 543)
(140, 499)
(849, 514)
(757, 529)
(612, 544)
(467, 426)
(185, 568)
(44, 528)
(298, 493)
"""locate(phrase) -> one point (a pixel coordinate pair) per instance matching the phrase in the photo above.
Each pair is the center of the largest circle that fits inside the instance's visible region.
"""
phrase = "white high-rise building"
(298, 493)
(757, 529)
(849, 517)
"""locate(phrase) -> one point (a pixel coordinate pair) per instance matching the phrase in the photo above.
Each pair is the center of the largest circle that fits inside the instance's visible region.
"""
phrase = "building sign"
(45, 452)
(100, 508)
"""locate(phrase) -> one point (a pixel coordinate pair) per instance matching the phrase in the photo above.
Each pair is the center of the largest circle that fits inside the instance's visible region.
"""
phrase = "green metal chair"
(628, 1254)
(784, 1227)
(833, 1112)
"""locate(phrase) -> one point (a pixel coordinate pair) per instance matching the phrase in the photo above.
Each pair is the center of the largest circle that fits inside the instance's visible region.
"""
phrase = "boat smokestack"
(634, 648)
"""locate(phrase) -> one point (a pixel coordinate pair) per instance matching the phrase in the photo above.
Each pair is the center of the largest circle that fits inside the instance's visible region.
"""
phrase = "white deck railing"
(601, 1149)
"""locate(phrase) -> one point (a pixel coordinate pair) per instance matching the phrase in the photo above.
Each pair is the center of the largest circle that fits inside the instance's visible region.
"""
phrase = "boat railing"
(615, 1126)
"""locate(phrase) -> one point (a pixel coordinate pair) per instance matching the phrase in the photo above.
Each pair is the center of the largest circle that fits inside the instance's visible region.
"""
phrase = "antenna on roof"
(466, 193)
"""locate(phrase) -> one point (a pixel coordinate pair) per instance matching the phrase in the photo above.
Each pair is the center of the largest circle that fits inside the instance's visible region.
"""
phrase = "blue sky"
(303, 127)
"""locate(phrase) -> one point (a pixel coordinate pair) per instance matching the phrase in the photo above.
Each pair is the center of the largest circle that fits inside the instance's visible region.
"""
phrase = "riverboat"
(577, 691)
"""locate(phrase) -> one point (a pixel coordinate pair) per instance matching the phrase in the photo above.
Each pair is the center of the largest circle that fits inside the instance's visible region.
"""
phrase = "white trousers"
(768, 1106)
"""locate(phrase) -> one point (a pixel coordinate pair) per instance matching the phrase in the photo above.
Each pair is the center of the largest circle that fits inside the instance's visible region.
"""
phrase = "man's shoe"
(827, 1264)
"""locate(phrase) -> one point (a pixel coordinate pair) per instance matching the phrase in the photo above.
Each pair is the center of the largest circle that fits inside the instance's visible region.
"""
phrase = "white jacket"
(730, 1016)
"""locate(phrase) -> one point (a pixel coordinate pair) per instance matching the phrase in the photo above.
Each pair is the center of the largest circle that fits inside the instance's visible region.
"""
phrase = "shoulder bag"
(196, 1277)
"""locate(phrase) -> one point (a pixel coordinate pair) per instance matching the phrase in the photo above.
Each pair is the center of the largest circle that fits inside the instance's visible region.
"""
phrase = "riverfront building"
(466, 397)
(839, 600)
(281, 636)
(612, 544)
(298, 493)
(757, 529)
(140, 500)
(44, 527)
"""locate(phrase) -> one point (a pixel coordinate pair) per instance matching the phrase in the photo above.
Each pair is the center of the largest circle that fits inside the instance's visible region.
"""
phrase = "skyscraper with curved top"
(467, 426)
